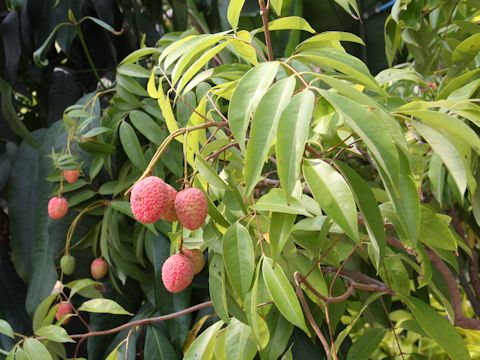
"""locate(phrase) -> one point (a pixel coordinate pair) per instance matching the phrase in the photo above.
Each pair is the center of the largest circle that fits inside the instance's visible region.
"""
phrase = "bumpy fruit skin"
(197, 258)
(67, 264)
(64, 308)
(149, 199)
(191, 208)
(177, 273)
(169, 213)
(71, 175)
(57, 207)
(99, 268)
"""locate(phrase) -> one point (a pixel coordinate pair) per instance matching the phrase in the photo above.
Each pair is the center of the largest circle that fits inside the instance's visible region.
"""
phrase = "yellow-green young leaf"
(281, 225)
(35, 350)
(366, 344)
(203, 346)
(277, 6)
(199, 64)
(348, 5)
(54, 333)
(333, 194)
(246, 97)
(239, 258)
(131, 145)
(287, 23)
(243, 46)
(147, 126)
(139, 54)
(467, 49)
(6, 329)
(283, 294)
(238, 345)
(151, 86)
(167, 112)
(447, 152)
(367, 203)
(328, 37)
(264, 129)
(292, 135)
(233, 12)
(104, 306)
(173, 47)
(438, 329)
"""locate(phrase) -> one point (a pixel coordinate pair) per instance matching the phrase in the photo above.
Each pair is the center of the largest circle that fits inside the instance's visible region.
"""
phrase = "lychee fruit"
(148, 199)
(177, 273)
(57, 207)
(99, 268)
(191, 208)
(71, 175)
(67, 264)
(169, 213)
(64, 308)
(197, 258)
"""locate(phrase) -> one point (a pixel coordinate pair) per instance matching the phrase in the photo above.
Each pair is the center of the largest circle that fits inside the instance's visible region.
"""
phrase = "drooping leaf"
(365, 345)
(157, 345)
(35, 350)
(103, 306)
(54, 333)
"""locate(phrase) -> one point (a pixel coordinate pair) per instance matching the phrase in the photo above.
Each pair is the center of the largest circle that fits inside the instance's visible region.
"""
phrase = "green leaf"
(216, 284)
(264, 129)
(348, 5)
(282, 294)
(233, 12)
(276, 200)
(328, 37)
(139, 54)
(158, 346)
(280, 330)
(246, 97)
(80, 197)
(333, 194)
(10, 115)
(365, 345)
(104, 306)
(54, 333)
(203, 346)
(238, 345)
(281, 225)
(102, 24)
(84, 287)
(287, 23)
(447, 152)
(277, 6)
(292, 135)
(434, 230)
(147, 126)
(438, 329)
(35, 350)
(467, 49)
(367, 203)
(258, 326)
(239, 258)
(133, 70)
(131, 145)
(42, 311)
(40, 52)
(6, 329)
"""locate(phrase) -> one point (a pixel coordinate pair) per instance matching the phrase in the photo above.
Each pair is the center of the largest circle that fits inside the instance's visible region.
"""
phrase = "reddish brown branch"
(264, 13)
(308, 313)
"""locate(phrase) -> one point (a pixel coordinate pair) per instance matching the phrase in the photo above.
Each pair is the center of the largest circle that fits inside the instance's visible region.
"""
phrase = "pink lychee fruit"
(71, 175)
(191, 208)
(169, 213)
(64, 308)
(148, 199)
(57, 207)
(98, 268)
(197, 258)
(177, 273)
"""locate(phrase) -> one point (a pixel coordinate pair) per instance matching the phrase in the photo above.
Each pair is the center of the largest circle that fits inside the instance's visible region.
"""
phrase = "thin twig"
(264, 13)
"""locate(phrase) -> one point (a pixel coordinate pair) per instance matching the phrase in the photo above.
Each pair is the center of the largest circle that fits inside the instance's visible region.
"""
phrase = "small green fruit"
(67, 264)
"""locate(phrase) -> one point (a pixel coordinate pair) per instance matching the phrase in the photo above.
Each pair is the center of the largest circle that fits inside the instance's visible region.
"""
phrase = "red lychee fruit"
(64, 308)
(191, 208)
(197, 258)
(169, 213)
(71, 175)
(57, 207)
(148, 199)
(98, 268)
(177, 273)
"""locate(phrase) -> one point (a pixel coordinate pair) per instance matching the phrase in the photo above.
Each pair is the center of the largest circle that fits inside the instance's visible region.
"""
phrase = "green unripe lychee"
(67, 264)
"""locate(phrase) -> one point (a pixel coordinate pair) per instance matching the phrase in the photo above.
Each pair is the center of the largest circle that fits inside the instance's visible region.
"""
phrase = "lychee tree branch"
(264, 13)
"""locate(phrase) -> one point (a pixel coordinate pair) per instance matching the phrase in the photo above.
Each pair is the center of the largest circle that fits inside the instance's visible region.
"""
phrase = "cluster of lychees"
(151, 200)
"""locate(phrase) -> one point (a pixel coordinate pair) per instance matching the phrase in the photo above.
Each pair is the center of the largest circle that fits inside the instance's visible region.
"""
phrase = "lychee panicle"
(149, 199)
(98, 268)
(191, 208)
(197, 258)
(169, 213)
(177, 273)
(71, 175)
(57, 207)
(64, 308)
